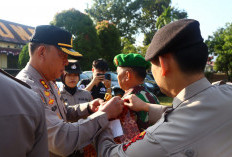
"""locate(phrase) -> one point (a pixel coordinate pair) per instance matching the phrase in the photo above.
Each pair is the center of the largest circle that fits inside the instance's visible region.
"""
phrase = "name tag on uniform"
(116, 128)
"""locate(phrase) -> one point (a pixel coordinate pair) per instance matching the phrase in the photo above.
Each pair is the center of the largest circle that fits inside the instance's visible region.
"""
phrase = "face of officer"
(71, 80)
(167, 75)
(52, 62)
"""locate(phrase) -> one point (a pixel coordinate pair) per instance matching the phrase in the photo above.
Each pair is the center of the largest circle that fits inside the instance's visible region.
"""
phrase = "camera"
(107, 76)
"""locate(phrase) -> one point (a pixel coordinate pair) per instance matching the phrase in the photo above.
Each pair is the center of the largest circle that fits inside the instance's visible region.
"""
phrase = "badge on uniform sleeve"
(51, 101)
(46, 93)
(137, 137)
(44, 83)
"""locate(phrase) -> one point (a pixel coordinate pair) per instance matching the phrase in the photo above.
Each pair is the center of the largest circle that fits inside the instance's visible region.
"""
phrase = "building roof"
(15, 33)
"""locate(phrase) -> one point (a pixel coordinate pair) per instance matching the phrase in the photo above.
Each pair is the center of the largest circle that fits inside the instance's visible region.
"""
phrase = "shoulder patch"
(82, 86)
(137, 137)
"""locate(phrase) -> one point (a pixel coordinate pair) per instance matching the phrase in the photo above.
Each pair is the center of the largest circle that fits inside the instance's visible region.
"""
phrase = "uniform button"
(189, 153)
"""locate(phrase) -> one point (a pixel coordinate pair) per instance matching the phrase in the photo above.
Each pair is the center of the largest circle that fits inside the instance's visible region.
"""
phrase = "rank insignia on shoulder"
(44, 83)
(50, 102)
(46, 93)
(137, 137)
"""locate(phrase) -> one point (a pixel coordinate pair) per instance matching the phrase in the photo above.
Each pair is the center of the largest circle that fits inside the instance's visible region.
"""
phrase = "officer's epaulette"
(15, 79)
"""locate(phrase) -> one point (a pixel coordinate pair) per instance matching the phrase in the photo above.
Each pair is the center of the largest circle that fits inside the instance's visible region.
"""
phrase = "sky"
(212, 14)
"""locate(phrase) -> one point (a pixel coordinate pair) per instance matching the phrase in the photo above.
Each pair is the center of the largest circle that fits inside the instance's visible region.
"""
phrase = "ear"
(164, 65)
(41, 51)
(128, 75)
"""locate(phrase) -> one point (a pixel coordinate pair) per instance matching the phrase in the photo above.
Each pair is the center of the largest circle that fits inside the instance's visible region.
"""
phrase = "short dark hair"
(100, 64)
(32, 46)
(139, 71)
(192, 60)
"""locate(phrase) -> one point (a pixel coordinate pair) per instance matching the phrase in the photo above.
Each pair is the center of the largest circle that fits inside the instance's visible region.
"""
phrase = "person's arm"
(155, 110)
(107, 84)
(95, 81)
(64, 138)
(78, 111)
(143, 144)
(40, 147)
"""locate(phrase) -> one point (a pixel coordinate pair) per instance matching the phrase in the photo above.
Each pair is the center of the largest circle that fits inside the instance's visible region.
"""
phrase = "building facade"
(13, 37)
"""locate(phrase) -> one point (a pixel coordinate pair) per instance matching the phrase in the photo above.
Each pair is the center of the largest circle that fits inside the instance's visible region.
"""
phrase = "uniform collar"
(64, 91)
(191, 91)
(33, 72)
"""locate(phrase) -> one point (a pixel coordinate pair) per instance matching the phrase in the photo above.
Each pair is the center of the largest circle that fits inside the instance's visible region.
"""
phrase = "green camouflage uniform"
(145, 95)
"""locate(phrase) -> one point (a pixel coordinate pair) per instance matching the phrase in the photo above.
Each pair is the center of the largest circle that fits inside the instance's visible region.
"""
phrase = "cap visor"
(71, 52)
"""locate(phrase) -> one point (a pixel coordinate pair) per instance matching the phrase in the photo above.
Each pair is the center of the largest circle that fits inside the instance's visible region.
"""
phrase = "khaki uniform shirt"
(80, 96)
(23, 130)
(199, 125)
(63, 137)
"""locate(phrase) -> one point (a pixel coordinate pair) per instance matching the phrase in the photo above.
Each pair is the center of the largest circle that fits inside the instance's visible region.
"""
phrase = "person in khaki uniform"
(22, 121)
(69, 91)
(199, 123)
(49, 48)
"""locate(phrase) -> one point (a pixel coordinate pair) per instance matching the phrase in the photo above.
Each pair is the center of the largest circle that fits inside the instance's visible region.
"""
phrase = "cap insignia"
(116, 61)
(73, 67)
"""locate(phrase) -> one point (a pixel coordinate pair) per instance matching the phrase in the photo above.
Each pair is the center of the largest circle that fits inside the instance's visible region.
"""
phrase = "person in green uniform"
(131, 69)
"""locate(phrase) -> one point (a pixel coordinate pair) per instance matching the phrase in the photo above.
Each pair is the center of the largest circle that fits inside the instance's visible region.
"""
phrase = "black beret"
(52, 35)
(178, 35)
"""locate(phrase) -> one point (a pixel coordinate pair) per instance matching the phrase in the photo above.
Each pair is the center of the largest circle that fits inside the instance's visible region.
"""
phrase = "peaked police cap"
(52, 35)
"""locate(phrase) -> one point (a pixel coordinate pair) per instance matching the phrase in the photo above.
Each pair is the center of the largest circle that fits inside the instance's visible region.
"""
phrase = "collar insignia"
(44, 84)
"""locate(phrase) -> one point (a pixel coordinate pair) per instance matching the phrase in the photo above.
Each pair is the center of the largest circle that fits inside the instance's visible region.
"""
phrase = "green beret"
(131, 60)
(183, 35)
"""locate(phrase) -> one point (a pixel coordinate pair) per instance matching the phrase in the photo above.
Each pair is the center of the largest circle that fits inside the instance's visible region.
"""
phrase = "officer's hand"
(94, 104)
(136, 104)
(113, 107)
(107, 83)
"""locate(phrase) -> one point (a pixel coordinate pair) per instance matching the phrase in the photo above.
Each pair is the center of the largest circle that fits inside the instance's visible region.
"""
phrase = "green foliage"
(132, 16)
(85, 40)
(168, 15)
(122, 13)
(23, 57)
(128, 47)
(220, 44)
(110, 41)
(143, 49)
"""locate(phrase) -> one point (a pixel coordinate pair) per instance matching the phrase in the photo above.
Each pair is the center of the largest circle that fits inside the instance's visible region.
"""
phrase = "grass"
(164, 100)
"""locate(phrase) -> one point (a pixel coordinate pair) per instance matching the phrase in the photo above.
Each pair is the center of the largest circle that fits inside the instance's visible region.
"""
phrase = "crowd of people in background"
(60, 122)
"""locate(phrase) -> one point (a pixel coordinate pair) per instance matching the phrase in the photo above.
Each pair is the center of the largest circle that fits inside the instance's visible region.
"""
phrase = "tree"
(220, 44)
(23, 57)
(85, 36)
(120, 12)
(110, 41)
(128, 47)
(132, 16)
(168, 15)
